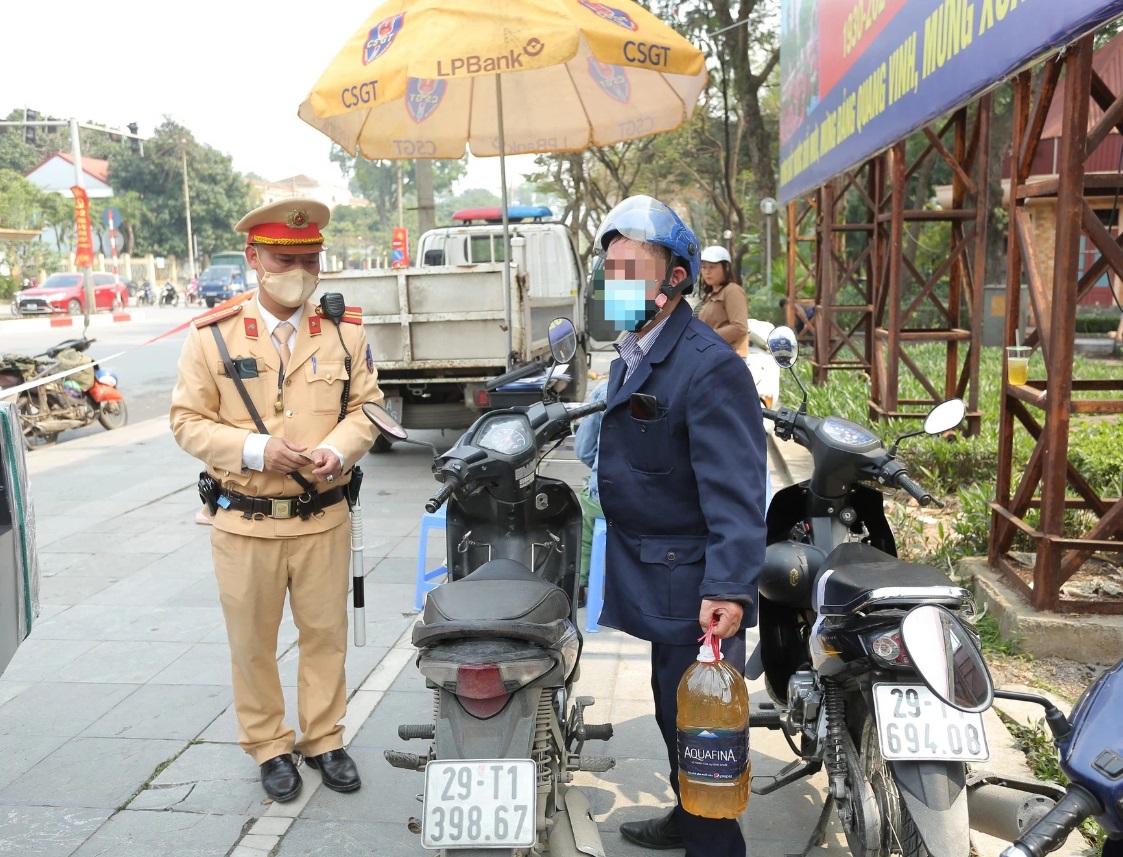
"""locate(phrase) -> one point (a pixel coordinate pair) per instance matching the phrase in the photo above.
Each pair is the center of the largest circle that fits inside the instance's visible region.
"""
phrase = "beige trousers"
(253, 576)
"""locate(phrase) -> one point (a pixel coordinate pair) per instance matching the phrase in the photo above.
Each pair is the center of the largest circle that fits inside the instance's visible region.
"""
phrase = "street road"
(147, 373)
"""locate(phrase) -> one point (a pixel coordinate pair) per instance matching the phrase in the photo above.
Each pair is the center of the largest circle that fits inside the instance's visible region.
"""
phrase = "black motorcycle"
(848, 696)
(169, 296)
(146, 296)
(499, 643)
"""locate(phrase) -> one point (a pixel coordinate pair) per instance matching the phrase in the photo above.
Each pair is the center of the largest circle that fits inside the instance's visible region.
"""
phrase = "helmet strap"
(667, 292)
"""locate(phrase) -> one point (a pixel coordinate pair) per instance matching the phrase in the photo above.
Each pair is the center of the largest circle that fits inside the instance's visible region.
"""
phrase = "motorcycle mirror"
(563, 339)
(783, 347)
(946, 658)
(389, 426)
(384, 420)
(945, 416)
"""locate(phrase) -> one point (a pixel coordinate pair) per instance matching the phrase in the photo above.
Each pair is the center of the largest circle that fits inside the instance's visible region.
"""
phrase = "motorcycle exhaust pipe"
(1005, 808)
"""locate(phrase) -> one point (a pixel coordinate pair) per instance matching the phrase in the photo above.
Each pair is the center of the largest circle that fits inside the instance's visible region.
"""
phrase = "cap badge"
(297, 219)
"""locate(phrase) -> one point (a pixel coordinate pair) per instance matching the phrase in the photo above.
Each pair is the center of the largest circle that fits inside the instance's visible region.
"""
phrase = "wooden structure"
(1044, 407)
(869, 293)
(876, 336)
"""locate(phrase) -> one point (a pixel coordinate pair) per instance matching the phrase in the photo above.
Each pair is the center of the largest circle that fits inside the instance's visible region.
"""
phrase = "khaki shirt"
(726, 310)
(211, 422)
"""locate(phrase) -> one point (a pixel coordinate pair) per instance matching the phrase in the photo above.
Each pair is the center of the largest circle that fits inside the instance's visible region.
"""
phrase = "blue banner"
(890, 67)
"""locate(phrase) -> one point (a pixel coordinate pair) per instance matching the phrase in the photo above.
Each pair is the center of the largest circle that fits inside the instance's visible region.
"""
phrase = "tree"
(152, 183)
(20, 201)
(377, 181)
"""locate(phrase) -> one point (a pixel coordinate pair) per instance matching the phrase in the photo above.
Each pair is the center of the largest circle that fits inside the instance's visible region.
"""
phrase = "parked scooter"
(499, 644)
(765, 372)
(57, 406)
(1090, 746)
(168, 295)
(832, 598)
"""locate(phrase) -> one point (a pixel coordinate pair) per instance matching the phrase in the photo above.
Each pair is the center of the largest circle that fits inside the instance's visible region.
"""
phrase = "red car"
(66, 293)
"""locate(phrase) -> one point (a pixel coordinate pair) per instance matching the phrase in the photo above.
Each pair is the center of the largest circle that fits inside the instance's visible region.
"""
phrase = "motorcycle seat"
(858, 577)
(502, 598)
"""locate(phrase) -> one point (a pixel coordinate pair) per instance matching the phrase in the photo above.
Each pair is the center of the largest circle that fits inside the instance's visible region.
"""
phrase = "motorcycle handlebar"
(1050, 832)
(770, 414)
(916, 492)
(584, 410)
(438, 499)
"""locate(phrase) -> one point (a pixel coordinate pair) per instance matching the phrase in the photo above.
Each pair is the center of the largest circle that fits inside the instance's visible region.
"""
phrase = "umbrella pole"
(506, 222)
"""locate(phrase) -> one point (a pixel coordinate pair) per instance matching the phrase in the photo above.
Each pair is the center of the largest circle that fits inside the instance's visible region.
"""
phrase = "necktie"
(281, 340)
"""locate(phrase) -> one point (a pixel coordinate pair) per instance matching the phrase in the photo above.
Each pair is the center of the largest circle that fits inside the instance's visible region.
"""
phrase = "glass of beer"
(1017, 364)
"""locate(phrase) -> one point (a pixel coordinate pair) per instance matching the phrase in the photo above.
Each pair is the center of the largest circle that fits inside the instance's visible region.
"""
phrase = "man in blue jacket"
(681, 478)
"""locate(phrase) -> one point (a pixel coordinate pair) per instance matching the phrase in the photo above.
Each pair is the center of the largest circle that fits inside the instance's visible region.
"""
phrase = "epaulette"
(209, 318)
(351, 314)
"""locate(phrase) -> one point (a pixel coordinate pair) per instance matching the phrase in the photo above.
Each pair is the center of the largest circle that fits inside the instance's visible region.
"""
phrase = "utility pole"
(87, 274)
(187, 204)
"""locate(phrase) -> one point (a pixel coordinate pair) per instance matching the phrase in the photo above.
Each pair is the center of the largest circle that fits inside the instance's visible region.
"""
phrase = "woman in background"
(724, 306)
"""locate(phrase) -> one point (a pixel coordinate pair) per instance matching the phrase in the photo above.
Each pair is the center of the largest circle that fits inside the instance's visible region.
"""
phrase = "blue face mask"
(626, 303)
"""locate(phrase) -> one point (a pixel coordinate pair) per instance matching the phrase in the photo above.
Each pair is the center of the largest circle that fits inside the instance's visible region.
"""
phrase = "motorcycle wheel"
(113, 415)
(898, 831)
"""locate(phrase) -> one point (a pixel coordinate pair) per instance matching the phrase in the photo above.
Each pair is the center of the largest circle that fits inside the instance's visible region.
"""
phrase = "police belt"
(282, 508)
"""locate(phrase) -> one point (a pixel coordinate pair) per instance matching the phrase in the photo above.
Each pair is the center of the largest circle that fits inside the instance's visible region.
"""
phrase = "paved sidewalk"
(116, 724)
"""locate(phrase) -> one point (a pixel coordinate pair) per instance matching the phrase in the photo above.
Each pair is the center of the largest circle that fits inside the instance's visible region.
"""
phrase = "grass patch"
(992, 639)
(160, 768)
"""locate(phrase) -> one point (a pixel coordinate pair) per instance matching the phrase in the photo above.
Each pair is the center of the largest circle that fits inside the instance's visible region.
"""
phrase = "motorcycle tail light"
(886, 648)
(483, 400)
(480, 689)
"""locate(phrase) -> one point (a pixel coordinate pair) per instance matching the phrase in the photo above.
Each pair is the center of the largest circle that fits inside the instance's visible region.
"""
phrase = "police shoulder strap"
(232, 373)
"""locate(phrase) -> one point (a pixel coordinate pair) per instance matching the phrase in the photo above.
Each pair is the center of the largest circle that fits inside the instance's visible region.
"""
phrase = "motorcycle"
(499, 643)
(192, 294)
(146, 296)
(56, 406)
(833, 597)
(169, 296)
(1090, 749)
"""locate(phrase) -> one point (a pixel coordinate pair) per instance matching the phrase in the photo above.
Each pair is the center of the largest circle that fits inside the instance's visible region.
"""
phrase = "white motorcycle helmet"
(716, 253)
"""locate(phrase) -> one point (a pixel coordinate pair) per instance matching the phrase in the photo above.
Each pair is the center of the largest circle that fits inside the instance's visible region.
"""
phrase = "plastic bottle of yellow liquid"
(713, 737)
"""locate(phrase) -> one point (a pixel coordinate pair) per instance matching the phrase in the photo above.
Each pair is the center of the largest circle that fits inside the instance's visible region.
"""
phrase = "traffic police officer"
(267, 403)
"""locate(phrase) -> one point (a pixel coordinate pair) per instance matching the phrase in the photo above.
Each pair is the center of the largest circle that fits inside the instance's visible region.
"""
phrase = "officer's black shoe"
(280, 778)
(582, 596)
(658, 833)
(337, 770)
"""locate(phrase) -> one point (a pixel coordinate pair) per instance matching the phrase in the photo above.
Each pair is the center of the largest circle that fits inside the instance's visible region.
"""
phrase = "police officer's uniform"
(269, 536)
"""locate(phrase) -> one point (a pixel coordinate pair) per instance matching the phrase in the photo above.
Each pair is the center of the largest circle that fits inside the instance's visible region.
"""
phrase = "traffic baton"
(357, 580)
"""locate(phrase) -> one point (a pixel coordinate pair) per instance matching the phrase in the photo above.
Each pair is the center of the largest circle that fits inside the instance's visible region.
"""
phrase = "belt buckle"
(282, 508)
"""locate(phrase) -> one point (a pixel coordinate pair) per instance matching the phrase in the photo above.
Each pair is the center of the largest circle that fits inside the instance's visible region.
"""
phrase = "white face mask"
(290, 288)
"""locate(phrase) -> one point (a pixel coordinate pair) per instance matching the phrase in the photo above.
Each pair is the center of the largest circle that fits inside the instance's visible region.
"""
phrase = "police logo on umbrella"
(616, 16)
(611, 78)
(381, 37)
(423, 97)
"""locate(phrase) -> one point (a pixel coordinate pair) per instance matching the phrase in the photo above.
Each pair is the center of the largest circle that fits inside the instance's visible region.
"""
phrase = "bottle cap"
(706, 654)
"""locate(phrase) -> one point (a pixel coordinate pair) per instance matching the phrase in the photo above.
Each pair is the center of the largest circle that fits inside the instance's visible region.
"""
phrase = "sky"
(233, 72)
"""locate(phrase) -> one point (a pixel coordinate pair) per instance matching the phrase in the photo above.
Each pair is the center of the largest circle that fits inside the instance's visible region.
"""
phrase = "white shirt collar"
(271, 321)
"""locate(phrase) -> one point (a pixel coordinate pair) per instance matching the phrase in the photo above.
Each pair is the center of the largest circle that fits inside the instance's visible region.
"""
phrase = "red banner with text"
(84, 251)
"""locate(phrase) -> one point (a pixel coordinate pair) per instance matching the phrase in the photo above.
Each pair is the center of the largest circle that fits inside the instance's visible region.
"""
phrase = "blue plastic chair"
(425, 577)
(595, 590)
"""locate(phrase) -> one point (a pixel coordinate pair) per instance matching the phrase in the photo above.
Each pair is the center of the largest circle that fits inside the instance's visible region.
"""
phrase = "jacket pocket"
(325, 385)
(648, 445)
(683, 561)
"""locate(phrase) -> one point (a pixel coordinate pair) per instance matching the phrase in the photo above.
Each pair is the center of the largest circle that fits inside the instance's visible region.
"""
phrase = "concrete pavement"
(116, 724)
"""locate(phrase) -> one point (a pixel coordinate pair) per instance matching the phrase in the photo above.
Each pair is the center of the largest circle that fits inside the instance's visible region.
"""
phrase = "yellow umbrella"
(425, 78)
